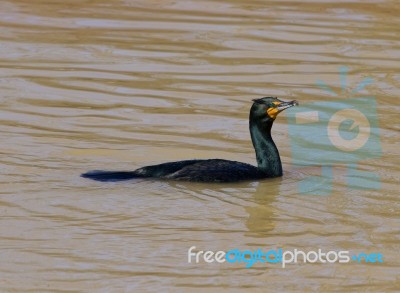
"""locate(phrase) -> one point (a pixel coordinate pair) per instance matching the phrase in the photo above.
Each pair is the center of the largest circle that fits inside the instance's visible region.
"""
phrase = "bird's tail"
(110, 175)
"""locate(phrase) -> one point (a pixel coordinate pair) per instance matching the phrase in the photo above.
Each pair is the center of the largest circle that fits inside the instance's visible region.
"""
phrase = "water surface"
(118, 85)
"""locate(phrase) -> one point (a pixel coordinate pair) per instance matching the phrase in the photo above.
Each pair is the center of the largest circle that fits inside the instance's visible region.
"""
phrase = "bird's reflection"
(261, 212)
(257, 198)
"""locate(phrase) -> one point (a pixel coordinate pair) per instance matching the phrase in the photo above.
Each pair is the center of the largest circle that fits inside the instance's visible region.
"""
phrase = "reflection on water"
(100, 85)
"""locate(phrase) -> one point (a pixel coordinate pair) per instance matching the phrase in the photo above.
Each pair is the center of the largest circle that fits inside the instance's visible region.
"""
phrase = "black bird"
(262, 115)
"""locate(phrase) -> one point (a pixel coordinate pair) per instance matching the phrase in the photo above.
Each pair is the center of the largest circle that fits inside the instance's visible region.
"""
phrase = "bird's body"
(212, 170)
(262, 116)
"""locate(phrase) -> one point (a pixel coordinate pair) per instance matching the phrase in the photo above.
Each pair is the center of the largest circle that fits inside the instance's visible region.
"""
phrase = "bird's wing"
(216, 171)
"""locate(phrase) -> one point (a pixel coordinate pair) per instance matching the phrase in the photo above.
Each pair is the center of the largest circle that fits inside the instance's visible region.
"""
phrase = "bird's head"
(268, 108)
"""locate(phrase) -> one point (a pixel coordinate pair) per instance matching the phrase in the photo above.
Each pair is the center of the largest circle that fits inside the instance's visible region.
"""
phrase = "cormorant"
(262, 115)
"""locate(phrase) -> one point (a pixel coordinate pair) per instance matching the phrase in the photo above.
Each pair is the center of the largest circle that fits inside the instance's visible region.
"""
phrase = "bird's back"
(216, 170)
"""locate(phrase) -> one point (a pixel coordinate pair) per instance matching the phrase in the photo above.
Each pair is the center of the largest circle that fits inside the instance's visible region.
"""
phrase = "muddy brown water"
(121, 84)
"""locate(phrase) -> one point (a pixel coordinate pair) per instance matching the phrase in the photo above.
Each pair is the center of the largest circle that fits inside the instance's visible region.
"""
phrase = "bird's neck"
(267, 154)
